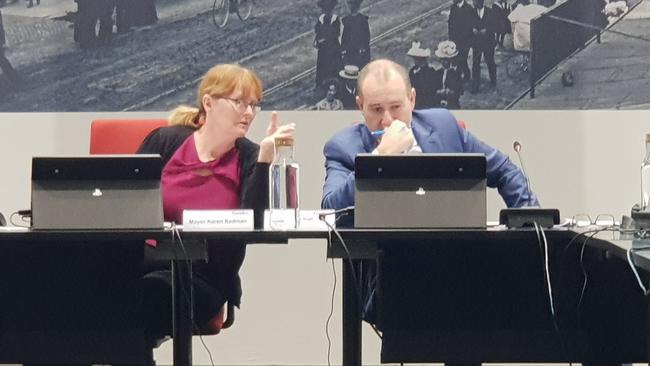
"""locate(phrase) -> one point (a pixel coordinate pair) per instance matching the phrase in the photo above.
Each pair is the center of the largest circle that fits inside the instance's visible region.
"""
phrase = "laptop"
(420, 191)
(97, 192)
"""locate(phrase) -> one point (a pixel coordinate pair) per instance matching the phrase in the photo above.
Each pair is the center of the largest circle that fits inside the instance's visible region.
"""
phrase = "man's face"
(382, 102)
(331, 92)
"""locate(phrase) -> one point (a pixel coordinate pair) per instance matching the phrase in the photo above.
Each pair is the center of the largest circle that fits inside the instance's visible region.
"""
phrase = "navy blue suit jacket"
(436, 131)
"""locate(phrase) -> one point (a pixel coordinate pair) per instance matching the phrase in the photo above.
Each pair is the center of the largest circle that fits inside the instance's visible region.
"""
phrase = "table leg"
(351, 319)
(183, 313)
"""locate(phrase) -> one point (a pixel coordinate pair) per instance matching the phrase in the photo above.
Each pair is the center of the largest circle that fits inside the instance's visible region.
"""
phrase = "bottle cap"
(283, 142)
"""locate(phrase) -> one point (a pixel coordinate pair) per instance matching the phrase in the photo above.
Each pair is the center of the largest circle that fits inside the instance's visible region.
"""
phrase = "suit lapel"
(425, 136)
(369, 143)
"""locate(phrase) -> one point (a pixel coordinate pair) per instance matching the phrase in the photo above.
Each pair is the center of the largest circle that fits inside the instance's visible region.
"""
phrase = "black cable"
(185, 295)
(355, 280)
(329, 317)
(582, 264)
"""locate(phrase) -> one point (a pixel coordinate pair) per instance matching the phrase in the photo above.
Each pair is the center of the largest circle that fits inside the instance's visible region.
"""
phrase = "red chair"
(124, 136)
(120, 136)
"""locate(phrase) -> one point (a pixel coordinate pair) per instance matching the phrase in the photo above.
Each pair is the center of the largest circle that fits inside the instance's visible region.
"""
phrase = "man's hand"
(397, 139)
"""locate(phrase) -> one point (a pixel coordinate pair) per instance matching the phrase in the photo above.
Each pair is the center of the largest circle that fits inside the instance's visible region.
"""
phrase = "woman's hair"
(221, 80)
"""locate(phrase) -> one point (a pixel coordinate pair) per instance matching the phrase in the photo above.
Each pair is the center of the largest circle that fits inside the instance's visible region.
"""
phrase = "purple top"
(188, 183)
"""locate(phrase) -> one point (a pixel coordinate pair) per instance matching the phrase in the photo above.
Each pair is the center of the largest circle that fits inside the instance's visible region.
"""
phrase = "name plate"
(308, 220)
(215, 220)
(280, 219)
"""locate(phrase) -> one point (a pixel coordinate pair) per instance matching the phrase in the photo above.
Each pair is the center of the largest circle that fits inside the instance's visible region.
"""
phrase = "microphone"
(517, 146)
(528, 216)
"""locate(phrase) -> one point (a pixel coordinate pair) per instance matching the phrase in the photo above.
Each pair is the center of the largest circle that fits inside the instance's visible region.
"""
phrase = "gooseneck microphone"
(517, 146)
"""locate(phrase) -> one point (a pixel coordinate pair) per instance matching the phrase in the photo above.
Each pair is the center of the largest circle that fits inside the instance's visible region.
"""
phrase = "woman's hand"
(267, 145)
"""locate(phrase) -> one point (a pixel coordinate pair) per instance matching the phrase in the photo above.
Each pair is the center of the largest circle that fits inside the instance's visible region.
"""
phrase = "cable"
(544, 242)
(630, 261)
(23, 215)
(186, 297)
(329, 317)
(355, 280)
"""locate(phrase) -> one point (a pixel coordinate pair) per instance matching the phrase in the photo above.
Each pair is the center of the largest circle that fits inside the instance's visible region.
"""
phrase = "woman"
(210, 164)
(327, 40)
(355, 38)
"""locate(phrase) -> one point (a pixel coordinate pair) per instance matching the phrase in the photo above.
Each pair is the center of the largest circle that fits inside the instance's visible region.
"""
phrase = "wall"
(579, 162)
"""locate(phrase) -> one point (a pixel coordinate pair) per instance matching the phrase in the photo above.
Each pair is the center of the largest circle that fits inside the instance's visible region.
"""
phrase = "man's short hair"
(384, 70)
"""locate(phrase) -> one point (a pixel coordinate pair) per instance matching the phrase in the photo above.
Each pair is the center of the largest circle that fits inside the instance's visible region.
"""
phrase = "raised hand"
(273, 131)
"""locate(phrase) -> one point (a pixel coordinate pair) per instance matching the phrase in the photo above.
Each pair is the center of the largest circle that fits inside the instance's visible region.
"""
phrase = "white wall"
(579, 162)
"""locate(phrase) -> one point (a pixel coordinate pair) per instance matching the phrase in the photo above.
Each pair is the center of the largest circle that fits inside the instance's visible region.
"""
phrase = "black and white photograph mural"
(149, 55)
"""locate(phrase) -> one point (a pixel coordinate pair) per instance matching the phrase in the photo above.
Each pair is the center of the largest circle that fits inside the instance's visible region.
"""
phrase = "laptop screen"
(97, 192)
(420, 191)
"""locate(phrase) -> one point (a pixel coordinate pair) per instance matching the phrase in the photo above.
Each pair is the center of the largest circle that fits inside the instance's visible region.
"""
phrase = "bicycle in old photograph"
(221, 10)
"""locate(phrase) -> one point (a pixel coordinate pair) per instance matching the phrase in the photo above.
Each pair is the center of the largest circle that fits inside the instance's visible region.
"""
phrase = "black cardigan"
(225, 259)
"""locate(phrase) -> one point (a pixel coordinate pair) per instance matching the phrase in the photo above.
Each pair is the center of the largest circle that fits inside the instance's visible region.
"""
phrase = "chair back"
(120, 136)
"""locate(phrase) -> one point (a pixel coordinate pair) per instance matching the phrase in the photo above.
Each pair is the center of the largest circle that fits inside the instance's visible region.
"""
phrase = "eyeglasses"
(241, 106)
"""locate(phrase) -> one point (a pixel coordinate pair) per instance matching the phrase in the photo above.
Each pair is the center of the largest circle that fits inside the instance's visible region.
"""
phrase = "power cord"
(25, 217)
(643, 234)
(186, 297)
(329, 317)
(357, 290)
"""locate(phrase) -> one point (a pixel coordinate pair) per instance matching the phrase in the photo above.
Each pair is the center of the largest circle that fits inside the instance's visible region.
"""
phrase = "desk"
(605, 258)
(610, 326)
(59, 345)
(72, 297)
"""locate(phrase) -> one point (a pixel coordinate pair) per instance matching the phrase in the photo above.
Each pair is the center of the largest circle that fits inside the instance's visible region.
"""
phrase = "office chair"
(124, 136)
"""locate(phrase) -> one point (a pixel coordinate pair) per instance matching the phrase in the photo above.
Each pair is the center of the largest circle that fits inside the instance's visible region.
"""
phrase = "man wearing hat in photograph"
(448, 85)
(422, 76)
(348, 92)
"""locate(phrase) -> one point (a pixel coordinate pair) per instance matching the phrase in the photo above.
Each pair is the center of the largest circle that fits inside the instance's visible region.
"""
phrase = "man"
(348, 91)
(460, 31)
(483, 44)
(330, 103)
(422, 76)
(5, 65)
(387, 100)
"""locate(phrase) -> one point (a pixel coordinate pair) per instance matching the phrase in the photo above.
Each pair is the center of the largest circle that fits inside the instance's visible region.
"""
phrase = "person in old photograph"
(348, 92)
(422, 76)
(483, 43)
(501, 9)
(330, 102)
(448, 85)
(460, 23)
(89, 14)
(208, 163)
(5, 65)
(327, 40)
(355, 38)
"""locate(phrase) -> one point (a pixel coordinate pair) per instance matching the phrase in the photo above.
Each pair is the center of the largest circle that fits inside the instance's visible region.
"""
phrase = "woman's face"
(231, 115)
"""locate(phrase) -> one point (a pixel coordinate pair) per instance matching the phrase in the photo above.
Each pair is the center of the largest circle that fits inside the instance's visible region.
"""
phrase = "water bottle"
(645, 177)
(283, 187)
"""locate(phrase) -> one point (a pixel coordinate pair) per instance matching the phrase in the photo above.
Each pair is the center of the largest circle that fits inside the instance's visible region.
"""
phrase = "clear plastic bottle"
(284, 187)
(645, 176)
